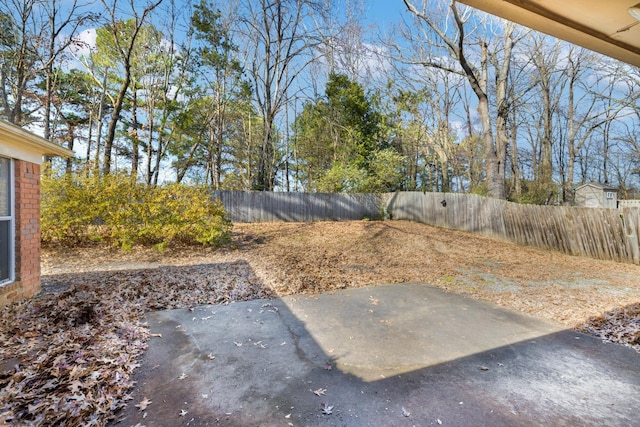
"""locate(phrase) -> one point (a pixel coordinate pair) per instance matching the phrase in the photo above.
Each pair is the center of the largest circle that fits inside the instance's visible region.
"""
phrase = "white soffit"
(20, 144)
(603, 26)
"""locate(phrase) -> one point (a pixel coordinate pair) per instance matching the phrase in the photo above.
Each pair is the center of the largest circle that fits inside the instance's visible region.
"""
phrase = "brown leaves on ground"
(142, 405)
(67, 356)
(68, 359)
(620, 326)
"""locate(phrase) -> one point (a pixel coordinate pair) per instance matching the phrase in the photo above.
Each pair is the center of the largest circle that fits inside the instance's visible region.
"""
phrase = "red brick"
(27, 238)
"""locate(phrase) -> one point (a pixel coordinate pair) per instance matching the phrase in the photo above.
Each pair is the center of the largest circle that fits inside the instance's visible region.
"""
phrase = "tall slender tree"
(124, 38)
(279, 44)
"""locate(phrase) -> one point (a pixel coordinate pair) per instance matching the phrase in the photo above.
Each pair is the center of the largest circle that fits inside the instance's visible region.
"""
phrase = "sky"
(385, 12)
(382, 13)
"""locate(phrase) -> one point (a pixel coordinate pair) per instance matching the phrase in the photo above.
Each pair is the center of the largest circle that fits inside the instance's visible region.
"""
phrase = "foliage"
(342, 178)
(207, 93)
(354, 114)
(339, 137)
(386, 171)
(385, 174)
(534, 193)
(113, 209)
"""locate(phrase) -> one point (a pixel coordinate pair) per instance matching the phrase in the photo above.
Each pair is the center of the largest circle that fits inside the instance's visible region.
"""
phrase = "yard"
(76, 346)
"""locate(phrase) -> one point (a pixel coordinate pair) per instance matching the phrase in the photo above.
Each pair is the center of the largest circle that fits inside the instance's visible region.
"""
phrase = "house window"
(6, 221)
(610, 195)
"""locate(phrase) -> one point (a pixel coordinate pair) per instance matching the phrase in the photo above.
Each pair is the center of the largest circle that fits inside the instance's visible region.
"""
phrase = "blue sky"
(384, 12)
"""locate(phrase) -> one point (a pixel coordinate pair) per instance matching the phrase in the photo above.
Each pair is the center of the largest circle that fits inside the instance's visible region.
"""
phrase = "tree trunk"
(115, 118)
(495, 176)
(70, 143)
(135, 149)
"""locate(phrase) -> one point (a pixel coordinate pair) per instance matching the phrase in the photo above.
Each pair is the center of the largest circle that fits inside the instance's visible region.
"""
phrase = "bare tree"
(279, 47)
(125, 47)
(548, 76)
(455, 42)
(582, 115)
(61, 30)
(19, 56)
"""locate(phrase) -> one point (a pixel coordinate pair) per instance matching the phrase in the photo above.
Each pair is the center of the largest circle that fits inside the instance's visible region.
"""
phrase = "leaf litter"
(68, 355)
(67, 358)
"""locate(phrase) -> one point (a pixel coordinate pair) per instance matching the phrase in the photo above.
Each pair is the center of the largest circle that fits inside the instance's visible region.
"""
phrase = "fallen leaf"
(75, 385)
(182, 376)
(405, 412)
(211, 356)
(320, 391)
(483, 368)
(238, 344)
(142, 405)
(326, 409)
(156, 335)
(183, 412)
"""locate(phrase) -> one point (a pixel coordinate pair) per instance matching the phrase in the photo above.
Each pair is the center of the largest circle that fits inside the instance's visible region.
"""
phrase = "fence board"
(609, 234)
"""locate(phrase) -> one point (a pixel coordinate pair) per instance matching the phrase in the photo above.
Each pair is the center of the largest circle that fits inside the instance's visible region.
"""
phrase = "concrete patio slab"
(396, 355)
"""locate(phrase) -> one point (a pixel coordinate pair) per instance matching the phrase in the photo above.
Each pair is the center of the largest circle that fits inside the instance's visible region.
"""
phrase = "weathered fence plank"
(631, 229)
(262, 206)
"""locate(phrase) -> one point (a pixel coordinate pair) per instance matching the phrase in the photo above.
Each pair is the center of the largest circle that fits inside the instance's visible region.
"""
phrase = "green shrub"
(113, 209)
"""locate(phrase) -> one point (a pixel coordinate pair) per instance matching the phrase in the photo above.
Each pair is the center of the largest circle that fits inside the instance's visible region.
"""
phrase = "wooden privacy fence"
(611, 234)
(266, 206)
(629, 203)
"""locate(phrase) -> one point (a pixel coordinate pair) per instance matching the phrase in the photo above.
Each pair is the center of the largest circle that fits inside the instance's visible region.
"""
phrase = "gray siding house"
(594, 195)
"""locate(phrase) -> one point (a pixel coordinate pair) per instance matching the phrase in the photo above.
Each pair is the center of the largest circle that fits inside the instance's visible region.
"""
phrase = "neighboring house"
(21, 154)
(596, 196)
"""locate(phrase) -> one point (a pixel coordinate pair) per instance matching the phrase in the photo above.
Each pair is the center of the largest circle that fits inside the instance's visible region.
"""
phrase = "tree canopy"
(312, 96)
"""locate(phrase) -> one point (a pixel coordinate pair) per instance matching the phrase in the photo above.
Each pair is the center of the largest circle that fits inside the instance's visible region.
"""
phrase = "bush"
(78, 210)
(533, 193)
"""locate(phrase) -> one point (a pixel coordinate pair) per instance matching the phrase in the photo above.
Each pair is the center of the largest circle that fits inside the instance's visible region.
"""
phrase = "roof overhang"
(20, 144)
(603, 26)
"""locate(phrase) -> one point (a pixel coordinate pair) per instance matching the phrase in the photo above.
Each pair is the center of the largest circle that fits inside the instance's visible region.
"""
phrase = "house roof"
(603, 26)
(597, 186)
(20, 144)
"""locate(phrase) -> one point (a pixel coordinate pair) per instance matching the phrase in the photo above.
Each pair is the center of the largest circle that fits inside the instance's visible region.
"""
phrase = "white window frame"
(12, 222)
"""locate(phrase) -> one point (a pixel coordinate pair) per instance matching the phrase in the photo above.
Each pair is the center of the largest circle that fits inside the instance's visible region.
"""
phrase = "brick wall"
(27, 237)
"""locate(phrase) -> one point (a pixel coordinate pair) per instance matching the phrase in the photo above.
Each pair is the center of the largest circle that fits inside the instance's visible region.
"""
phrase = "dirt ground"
(290, 258)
